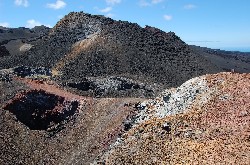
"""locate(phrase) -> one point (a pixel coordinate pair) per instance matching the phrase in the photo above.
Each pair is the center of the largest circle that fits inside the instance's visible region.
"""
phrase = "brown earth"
(217, 133)
(77, 139)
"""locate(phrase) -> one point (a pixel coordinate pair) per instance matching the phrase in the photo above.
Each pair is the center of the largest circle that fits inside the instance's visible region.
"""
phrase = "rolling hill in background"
(95, 90)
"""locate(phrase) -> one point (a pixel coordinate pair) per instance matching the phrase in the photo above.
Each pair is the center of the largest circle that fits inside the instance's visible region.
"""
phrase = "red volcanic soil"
(50, 87)
(230, 110)
(45, 124)
(216, 133)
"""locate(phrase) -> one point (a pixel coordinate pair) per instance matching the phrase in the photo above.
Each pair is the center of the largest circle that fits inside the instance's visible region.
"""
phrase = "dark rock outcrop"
(24, 71)
(112, 86)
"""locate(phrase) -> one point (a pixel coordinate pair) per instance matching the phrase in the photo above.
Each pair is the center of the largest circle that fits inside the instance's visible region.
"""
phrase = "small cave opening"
(40, 110)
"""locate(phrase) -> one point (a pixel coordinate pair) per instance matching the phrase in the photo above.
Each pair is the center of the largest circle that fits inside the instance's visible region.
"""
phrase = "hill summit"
(100, 46)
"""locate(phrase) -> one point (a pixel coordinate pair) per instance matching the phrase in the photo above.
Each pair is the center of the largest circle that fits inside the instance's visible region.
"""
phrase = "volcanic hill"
(93, 90)
(83, 48)
(83, 45)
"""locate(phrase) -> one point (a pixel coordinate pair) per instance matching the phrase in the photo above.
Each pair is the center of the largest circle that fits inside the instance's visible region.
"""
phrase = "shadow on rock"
(39, 110)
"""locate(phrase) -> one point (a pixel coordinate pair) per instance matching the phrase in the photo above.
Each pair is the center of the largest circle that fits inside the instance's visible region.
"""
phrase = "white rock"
(25, 47)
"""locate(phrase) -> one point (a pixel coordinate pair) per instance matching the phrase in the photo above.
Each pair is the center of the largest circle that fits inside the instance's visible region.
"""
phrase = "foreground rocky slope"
(43, 123)
(204, 121)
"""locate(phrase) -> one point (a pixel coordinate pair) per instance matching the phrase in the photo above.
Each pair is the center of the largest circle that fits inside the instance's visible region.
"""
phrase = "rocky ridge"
(113, 86)
(212, 129)
(44, 123)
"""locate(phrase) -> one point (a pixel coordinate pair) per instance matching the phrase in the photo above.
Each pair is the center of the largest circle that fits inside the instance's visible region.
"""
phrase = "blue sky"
(221, 24)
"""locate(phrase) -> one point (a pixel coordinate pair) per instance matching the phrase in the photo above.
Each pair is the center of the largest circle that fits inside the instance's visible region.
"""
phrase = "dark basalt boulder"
(112, 86)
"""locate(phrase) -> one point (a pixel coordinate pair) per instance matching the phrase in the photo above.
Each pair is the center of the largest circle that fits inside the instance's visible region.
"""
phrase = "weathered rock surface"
(213, 129)
(25, 47)
(113, 86)
(42, 123)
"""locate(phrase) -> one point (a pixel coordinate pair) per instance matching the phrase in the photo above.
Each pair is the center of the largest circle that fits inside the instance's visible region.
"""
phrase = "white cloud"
(110, 15)
(106, 10)
(4, 24)
(145, 3)
(59, 4)
(24, 3)
(32, 23)
(189, 6)
(156, 1)
(168, 17)
(48, 25)
(113, 2)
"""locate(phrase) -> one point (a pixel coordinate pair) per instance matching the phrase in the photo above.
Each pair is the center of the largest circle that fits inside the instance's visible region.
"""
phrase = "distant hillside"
(225, 60)
(15, 41)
